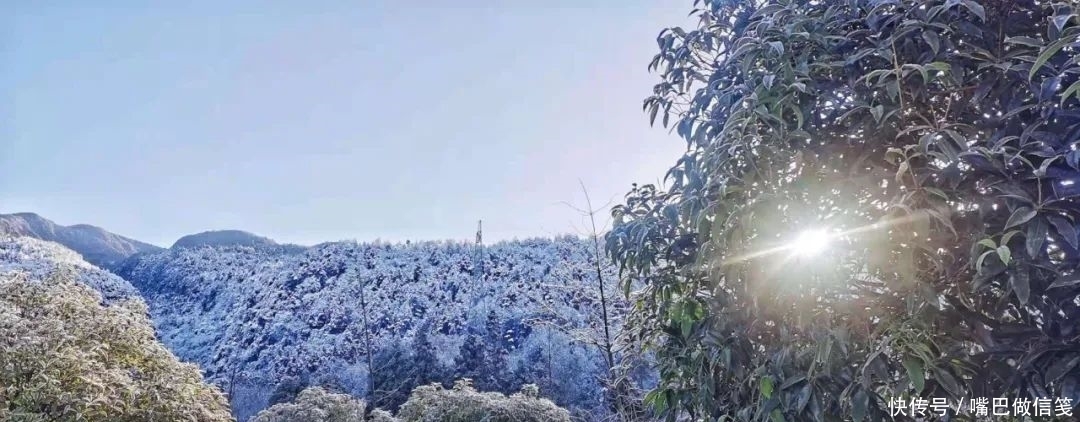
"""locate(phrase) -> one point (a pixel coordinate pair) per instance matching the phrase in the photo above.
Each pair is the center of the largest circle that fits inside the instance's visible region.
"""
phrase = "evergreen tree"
(426, 365)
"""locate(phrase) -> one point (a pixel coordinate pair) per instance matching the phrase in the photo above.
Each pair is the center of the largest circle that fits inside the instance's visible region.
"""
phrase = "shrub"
(315, 404)
(379, 415)
(432, 403)
(66, 357)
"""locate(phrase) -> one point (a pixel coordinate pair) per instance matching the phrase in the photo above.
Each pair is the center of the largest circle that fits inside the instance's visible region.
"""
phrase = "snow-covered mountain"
(41, 258)
(255, 316)
(222, 238)
(97, 246)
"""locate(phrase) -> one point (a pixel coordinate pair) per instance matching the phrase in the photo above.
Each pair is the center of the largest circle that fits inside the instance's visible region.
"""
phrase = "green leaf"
(1008, 236)
(1049, 52)
(915, 373)
(979, 262)
(1072, 89)
(766, 386)
(1005, 254)
(1020, 216)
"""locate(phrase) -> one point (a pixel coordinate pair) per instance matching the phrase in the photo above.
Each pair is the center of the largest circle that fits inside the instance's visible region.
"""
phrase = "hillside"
(254, 317)
(222, 238)
(39, 259)
(96, 245)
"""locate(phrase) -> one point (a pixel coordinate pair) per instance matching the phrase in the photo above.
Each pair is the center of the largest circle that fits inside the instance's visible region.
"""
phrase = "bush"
(65, 357)
(379, 415)
(432, 403)
(315, 404)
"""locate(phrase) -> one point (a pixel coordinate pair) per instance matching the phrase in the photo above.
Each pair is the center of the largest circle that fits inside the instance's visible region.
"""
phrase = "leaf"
(1027, 41)
(859, 405)
(803, 398)
(1065, 281)
(1065, 229)
(975, 8)
(1061, 367)
(931, 38)
(1035, 237)
(1021, 284)
(792, 381)
(979, 262)
(777, 47)
(947, 380)
(1005, 254)
(915, 373)
(877, 111)
(1020, 216)
(1005, 238)
(1060, 21)
(766, 386)
(1046, 55)
(1072, 89)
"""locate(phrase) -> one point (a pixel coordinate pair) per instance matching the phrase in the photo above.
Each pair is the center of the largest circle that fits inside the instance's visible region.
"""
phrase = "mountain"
(97, 246)
(222, 238)
(39, 259)
(259, 317)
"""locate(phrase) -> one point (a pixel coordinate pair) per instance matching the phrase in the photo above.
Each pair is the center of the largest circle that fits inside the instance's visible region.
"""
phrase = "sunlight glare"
(810, 243)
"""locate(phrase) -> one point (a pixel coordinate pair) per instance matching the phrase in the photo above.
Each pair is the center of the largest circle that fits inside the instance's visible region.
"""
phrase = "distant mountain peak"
(96, 245)
(222, 238)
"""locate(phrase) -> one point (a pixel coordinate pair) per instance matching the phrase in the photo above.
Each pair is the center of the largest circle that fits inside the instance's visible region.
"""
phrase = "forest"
(875, 219)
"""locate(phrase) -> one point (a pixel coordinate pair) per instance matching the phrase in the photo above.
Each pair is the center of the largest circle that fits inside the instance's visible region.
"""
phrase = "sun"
(810, 243)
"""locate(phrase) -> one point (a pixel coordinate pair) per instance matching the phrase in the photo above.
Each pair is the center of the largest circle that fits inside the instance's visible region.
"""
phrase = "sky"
(318, 121)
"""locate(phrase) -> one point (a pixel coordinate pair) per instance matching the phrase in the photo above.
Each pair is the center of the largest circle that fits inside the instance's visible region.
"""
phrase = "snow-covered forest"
(266, 320)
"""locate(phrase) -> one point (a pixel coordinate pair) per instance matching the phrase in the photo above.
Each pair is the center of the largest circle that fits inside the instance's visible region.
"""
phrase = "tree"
(464, 404)
(426, 364)
(66, 357)
(933, 143)
(393, 376)
(287, 389)
(315, 404)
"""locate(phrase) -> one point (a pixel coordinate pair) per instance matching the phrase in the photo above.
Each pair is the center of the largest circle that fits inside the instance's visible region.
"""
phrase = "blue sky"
(318, 121)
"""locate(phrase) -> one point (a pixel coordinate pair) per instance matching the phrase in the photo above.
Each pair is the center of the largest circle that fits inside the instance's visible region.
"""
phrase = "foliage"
(936, 140)
(66, 357)
(315, 404)
(379, 415)
(433, 403)
(287, 389)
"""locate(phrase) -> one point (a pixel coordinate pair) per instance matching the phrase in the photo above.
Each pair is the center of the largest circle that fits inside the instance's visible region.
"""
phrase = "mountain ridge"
(97, 246)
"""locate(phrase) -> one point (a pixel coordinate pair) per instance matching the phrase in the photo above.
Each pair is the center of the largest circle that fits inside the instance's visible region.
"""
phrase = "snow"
(41, 258)
(264, 312)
